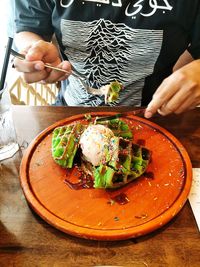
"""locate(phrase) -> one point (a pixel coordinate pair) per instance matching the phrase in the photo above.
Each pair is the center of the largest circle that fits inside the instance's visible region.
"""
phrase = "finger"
(42, 50)
(192, 107)
(35, 76)
(157, 101)
(165, 91)
(28, 66)
(176, 101)
(187, 96)
(62, 78)
(37, 51)
(187, 105)
(56, 75)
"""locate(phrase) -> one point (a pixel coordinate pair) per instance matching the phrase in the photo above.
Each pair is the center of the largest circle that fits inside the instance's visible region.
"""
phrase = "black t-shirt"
(134, 42)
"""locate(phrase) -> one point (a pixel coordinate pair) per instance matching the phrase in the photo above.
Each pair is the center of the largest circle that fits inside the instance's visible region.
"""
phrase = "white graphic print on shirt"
(132, 9)
(105, 51)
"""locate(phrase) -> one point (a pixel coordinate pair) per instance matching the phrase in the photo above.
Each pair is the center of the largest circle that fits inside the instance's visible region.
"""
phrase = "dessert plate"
(138, 208)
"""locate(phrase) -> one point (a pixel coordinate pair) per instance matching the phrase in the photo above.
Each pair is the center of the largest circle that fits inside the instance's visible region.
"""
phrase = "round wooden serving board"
(92, 213)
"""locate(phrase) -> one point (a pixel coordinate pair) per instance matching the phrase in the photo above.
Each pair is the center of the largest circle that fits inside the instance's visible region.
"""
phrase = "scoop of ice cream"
(96, 144)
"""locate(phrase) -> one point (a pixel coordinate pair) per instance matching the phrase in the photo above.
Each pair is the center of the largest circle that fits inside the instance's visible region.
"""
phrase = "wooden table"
(27, 240)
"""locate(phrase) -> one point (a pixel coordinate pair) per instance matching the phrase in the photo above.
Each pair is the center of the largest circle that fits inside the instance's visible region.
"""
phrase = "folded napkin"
(194, 196)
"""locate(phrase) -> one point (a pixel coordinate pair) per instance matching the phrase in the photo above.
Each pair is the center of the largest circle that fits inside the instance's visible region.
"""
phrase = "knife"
(136, 112)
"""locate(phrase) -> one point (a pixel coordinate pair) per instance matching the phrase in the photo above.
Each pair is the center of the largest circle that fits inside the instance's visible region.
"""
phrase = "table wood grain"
(27, 240)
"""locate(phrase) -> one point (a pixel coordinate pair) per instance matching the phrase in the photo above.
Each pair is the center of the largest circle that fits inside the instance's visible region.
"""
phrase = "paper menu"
(194, 196)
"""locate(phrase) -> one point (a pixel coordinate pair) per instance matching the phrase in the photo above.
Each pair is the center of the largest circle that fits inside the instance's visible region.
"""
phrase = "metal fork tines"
(85, 82)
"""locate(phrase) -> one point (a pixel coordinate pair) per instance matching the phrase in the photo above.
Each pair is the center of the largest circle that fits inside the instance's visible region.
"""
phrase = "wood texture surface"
(27, 240)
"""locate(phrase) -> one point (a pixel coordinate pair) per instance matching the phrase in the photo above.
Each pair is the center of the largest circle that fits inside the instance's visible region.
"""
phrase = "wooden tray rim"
(102, 234)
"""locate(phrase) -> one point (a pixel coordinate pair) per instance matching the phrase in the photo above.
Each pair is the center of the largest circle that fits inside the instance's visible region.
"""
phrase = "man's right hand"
(36, 55)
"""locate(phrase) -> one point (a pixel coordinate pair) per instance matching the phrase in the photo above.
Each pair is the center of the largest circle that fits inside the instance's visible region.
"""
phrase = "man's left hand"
(177, 93)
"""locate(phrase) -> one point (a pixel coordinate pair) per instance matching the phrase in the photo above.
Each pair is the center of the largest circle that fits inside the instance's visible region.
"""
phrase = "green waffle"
(128, 162)
(65, 143)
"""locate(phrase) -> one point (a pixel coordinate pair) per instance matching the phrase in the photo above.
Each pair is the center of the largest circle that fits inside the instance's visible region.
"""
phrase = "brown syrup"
(121, 199)
(84, 181)
(149, 175)
(141, 142)
(78, 186)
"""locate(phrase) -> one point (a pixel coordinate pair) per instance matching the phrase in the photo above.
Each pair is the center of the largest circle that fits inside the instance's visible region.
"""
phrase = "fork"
(82, 78)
